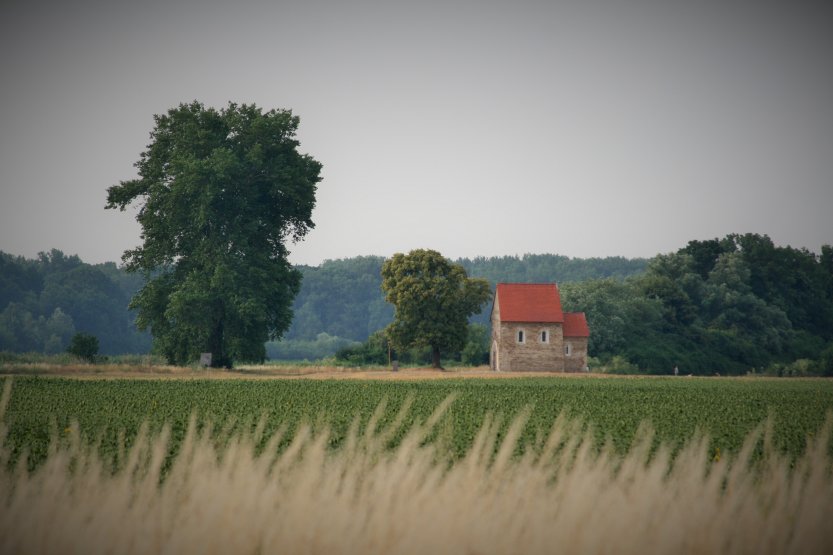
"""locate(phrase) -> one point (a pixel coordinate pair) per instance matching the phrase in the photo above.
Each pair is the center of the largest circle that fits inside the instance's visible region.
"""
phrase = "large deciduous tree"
(433, 299)
(220, 193)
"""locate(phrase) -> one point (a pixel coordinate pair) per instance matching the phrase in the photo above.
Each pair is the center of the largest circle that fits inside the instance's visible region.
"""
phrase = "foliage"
(18, 279)
(51, 297)
(476, 350)
(825, 362)
(546, 268)
(40, 363)
(374, 351)
(736, 304)
(433, 299)
(620, 365)
(725, 306)
(323, 346)
(616, 313)
(342, 298)
(84, 346)
(9, 358)
(220, 192)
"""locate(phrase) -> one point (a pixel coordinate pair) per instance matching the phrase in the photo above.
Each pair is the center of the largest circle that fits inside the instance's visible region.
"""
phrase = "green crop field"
(467, 483)
(112, 410)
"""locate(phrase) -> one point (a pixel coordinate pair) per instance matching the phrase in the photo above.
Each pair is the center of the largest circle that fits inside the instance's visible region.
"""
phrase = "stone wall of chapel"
(533, 354)
(576, 361)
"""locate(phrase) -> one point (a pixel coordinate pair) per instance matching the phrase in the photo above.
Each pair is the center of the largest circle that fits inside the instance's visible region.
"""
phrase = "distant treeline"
(730, 305)
(723, 306)
(45, 301)
(341, 302)
(727, 306)
(344, 298)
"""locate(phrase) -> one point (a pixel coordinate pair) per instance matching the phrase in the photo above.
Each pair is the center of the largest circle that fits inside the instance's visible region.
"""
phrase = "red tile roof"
(575, 325)
(529, 302)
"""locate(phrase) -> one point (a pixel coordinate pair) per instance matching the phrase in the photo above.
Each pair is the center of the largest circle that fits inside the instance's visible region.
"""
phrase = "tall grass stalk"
(238, 496)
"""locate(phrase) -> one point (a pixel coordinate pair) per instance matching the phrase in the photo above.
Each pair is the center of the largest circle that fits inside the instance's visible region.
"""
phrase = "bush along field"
(441, 467)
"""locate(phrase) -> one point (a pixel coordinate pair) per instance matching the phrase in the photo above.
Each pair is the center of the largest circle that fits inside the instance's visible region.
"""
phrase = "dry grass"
(254, 372)
(365, 498)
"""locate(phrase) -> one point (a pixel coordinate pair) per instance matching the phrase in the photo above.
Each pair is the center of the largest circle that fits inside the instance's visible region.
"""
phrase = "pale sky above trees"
(583, 128)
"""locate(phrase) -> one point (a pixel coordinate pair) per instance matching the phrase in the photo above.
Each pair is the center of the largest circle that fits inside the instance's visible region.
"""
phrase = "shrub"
(476, 350)
(620, 365)
(84, 346)
(323, 346)
(372, 351)
(825, 362)
(800, 368)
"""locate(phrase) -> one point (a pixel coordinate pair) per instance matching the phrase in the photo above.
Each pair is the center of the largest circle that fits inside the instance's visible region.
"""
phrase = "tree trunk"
(435, 358)
(219, 358)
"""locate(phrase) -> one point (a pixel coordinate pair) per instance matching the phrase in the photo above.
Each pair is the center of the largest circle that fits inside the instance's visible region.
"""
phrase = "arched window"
(520, 336)
(545, 336)
(568, 349)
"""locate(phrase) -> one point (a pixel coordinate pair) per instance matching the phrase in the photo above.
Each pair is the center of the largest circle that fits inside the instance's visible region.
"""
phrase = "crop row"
(111, 411)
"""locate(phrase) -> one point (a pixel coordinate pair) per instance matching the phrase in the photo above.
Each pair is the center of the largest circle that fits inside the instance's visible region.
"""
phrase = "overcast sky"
(583, 128)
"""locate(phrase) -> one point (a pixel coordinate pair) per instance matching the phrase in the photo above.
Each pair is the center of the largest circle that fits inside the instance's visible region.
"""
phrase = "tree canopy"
(433, 300)
(45, 301)
(729, 305)
(220, 194)
(724, 306)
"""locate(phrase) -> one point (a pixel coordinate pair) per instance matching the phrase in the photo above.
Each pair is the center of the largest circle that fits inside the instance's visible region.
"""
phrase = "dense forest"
(46, 301)
(344, 298)
(729, 305)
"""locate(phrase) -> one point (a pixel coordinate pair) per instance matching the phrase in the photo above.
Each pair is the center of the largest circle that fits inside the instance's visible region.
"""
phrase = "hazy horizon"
(475, 256)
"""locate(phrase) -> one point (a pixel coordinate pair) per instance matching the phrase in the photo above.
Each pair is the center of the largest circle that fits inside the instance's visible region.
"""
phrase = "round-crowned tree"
(220, 193)
(433, 299)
